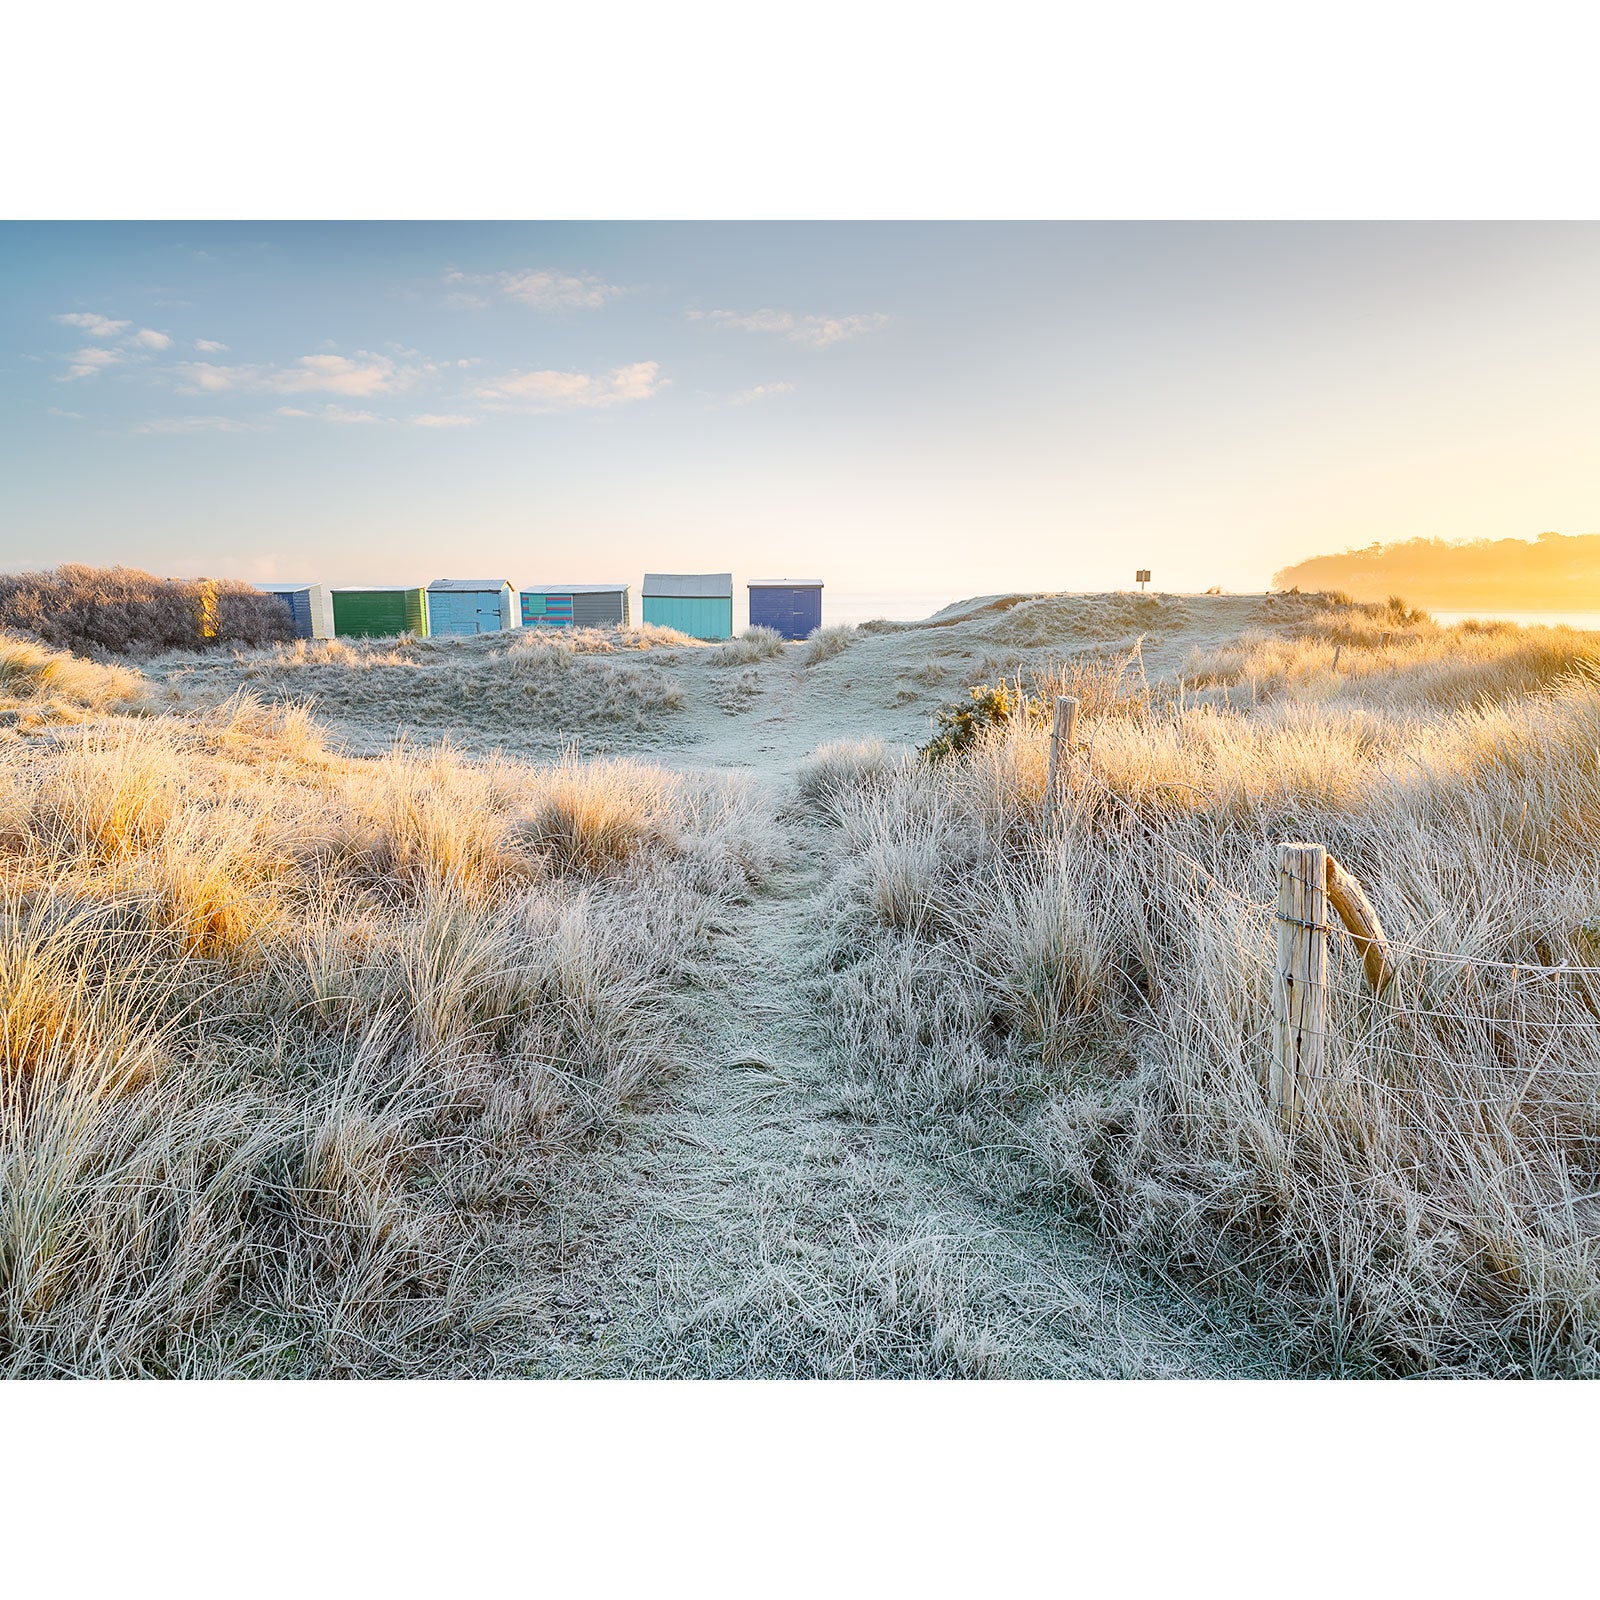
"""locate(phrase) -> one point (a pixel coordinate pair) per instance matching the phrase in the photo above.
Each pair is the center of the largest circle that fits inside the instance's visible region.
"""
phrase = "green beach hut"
(380, 611)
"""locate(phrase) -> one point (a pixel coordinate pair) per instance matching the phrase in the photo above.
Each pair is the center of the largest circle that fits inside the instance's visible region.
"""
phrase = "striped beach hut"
(699, 604)
(380, 611)
(575, 605)
(790, 606)
(310, 607)
(472, 605)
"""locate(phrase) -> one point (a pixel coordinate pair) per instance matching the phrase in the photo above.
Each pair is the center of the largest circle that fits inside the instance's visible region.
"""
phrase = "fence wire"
(1514, 1037)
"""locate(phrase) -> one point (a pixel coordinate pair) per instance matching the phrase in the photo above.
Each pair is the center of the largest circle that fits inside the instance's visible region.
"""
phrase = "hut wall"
(794, 610)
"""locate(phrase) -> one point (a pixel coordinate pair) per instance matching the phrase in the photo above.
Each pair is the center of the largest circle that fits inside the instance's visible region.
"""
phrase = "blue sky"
(962, 407)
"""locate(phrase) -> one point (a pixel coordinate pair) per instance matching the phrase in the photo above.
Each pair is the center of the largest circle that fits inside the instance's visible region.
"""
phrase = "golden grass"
(290, 1042)
(40, 686)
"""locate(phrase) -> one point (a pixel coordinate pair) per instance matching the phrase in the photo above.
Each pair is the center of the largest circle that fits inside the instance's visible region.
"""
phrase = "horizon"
(896, 408)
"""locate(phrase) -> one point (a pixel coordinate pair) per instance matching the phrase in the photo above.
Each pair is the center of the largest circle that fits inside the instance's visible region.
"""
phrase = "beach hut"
(790, 606)
(310, 607)
(575, 605)
(379, 611)
(699, 604)
(471, 605)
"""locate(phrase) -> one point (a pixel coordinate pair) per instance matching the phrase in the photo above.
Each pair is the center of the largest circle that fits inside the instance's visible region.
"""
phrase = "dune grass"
(291, 1044)
(1086, 1008)
(39, 685)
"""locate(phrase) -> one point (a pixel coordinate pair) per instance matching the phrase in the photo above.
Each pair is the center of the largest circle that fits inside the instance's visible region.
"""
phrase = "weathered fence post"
(1063, 740)
(1349, 899)
(1300, 981)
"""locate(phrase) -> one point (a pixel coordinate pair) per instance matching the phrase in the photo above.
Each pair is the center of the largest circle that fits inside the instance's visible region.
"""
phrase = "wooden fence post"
(1300, 981)
(1349, 899)
(1063, 740)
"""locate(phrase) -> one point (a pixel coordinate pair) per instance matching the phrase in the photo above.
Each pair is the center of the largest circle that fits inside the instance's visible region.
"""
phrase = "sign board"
(1142, 575)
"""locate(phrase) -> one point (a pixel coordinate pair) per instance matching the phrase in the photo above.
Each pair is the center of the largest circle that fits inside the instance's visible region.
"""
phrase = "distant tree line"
(1555, 572)
(120, 610)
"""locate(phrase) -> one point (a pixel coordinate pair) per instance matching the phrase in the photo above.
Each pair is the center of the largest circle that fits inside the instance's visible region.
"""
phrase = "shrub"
(119, 610)
(961, 724)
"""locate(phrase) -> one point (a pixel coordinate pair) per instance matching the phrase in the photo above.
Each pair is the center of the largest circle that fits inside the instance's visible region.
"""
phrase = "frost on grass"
(291, 1043)
(1087, 1008)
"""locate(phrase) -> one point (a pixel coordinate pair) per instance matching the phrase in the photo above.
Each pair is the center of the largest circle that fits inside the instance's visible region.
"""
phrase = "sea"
(912, 605)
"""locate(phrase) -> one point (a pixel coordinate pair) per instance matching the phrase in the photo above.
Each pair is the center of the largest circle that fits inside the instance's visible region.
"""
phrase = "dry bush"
(824, 643)
(120, 610)
(1088, 1010)
(290, 1044)
(754, 644)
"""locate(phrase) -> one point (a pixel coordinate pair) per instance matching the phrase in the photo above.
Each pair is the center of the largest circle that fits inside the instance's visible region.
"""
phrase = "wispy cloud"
(544, 289)
(197, 425)
(818, 332)
(56, 411)
(563, 391)
(92, 323)
(762, 391)
(439, 419)
(358, 376)
(210, 347)
(330, 412)
(150, 339)
(87, 362)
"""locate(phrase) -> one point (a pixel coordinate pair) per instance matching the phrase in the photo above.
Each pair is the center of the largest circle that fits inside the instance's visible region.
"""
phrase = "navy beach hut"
(471, 605)
(310, 607)
(790, 606)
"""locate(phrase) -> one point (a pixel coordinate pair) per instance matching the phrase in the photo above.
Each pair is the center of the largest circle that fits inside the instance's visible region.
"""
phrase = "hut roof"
(689, 585)
(573, 588)
(470, 585)
(784, 583)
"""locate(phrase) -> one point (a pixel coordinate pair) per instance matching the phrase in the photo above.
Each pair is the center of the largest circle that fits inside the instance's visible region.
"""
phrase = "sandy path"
(763, 1223)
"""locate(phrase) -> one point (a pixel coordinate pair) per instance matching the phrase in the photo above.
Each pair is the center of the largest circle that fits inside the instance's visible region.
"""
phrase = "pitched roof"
(689, 585)
(479, 584)
(784, 583)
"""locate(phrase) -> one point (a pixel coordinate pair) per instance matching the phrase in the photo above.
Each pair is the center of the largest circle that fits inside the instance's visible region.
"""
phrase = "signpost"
(1142, 577)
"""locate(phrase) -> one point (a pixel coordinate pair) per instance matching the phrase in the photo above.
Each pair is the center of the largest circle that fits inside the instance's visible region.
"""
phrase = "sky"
(966, 408)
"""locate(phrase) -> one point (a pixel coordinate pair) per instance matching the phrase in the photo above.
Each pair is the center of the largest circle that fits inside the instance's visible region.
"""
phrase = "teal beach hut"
(699, 604)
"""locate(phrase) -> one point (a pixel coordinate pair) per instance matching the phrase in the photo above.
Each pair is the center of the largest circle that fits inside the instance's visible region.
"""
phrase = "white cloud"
(149, 339)
(762, 391)
(542, 288)
(360, 376)
(96, 326)
(90, 360)
(562, 391)
(330, 413)
(210, 346)
(56, 411)
(437, 419)
(818, 332)
(196, 425)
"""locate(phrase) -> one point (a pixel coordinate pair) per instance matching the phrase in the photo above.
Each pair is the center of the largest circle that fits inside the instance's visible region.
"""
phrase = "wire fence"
(1399, 1024)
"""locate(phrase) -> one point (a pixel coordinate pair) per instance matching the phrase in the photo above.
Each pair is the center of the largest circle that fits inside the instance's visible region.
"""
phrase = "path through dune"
(763, 1222)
